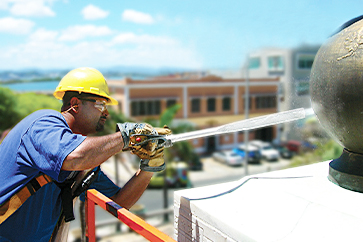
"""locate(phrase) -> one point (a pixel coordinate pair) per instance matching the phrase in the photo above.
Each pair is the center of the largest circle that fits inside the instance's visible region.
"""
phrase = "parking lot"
(215, 169)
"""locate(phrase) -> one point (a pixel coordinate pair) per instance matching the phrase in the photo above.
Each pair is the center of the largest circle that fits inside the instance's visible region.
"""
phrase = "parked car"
(284, 151)
(266, 150)
(228, 157)
(293, 146)
(299, 146)
(177, 175)
(254, 155)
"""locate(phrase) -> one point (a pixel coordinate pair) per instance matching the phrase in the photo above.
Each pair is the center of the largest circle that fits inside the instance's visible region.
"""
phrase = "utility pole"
(247, 106)
(165, 195)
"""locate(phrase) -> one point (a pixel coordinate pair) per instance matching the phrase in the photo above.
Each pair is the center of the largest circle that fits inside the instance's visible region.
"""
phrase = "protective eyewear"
(100, 105)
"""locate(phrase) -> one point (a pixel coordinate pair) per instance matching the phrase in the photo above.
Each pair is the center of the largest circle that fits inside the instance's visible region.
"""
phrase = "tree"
(182, 150)
(29, 102)
(8, 112)
(15, 107)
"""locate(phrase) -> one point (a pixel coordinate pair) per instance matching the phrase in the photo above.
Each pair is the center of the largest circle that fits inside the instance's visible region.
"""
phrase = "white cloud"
(16, 25)
(131, 38)
(137, 17)
(79, 32)
(55, 54)
(32, 8)
(3, 5)
(92, 12)
(42, 35)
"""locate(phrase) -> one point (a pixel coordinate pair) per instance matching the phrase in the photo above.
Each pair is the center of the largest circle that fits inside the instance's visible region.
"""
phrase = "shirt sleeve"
(48, 142)
(104, 185)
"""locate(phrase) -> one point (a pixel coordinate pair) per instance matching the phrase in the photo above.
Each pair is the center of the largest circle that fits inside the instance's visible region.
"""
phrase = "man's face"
(95, 112)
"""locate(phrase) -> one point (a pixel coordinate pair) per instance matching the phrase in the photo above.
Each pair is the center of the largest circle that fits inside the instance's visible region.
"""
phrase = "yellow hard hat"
(84, 79)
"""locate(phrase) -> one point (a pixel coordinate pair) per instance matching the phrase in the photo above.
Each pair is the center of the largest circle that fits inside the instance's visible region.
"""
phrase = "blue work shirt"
(38, 144)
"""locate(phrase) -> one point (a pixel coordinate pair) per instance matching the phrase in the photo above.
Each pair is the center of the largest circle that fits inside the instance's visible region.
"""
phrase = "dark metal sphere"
(337, 86)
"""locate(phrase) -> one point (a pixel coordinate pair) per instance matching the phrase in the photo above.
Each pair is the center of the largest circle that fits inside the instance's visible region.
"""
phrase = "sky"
(197, 34)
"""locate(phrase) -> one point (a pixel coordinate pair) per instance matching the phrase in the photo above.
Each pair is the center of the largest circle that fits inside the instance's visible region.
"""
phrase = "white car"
(228, 157)
(267, 151)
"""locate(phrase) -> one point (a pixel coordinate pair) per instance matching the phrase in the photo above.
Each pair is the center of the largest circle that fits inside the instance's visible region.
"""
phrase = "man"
(47, 149)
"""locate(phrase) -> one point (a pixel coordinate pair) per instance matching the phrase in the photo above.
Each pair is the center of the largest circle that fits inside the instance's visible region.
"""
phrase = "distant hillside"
(11, 76)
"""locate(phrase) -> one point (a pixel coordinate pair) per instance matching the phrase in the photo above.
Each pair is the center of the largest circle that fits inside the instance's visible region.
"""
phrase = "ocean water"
(49, 85)
(32, 86)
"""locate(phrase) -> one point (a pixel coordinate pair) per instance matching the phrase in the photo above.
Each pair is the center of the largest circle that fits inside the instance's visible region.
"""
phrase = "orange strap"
(11, 205)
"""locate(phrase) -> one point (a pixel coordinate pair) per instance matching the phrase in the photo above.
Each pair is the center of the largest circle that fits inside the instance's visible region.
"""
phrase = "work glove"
(128, 129)
(151, 155)
(155, 162)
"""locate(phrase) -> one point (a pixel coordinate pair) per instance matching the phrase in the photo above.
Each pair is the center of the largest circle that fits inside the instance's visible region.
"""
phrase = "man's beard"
(100, 126)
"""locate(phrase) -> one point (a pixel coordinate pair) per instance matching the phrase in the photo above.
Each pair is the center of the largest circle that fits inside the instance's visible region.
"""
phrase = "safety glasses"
(100, 105)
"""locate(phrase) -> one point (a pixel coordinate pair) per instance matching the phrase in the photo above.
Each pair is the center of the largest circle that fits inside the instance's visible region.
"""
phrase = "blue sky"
(159, 33)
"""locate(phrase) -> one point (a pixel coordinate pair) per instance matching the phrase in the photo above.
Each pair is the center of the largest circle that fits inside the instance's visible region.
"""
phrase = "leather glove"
(152, 156)
(127, 129)
(155, 162)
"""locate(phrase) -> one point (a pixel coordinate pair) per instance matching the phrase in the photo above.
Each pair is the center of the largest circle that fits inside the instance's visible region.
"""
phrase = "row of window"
(276, 63)
(153, 107)
(211, 104)
(149, 107)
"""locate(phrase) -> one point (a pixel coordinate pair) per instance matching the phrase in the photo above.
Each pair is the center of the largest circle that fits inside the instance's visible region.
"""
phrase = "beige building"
(206, 102)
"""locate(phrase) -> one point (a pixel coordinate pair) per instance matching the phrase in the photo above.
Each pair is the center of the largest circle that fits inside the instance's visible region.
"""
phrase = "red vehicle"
(299, 146)
(293, 146)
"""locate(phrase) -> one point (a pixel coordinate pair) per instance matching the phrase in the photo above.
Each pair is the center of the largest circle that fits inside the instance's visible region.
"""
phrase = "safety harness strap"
(11, 205)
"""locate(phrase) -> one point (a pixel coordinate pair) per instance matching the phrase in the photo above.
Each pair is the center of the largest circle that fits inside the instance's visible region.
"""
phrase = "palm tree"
(181, 150)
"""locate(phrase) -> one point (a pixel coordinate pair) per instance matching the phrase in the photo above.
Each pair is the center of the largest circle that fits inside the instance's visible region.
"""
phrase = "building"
(292, 67)
(206, 101)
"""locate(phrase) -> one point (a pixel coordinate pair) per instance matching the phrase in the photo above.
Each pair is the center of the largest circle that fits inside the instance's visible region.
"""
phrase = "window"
(226, 104)
(142, 108)
(254, 63)
(302, 87)
(265, 102)
(305, 61)
(211, 104)
(134, 108)
(170, 102)
(275, 63)
(195, 105)
(150, 107)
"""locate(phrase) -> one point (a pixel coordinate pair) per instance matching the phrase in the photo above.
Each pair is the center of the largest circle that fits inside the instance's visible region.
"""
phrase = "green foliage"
(182, 150)
(14, 107)
(168, 115)
(325, 151)
(28, 103)
(8, 112)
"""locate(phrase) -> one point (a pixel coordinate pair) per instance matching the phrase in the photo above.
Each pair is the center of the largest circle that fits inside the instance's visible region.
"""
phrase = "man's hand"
(151, 155)
(128, 129)
(155, 162)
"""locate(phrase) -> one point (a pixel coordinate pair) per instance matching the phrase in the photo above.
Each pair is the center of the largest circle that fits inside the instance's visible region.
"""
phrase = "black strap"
(86, 182)
(67, 200)
(35, 184)
(67, 196)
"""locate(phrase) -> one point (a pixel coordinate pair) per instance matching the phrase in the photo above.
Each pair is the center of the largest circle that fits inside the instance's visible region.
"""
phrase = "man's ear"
(75, 104)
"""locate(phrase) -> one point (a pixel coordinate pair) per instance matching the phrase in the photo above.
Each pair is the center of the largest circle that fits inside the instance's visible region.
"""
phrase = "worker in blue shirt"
(48, 149)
